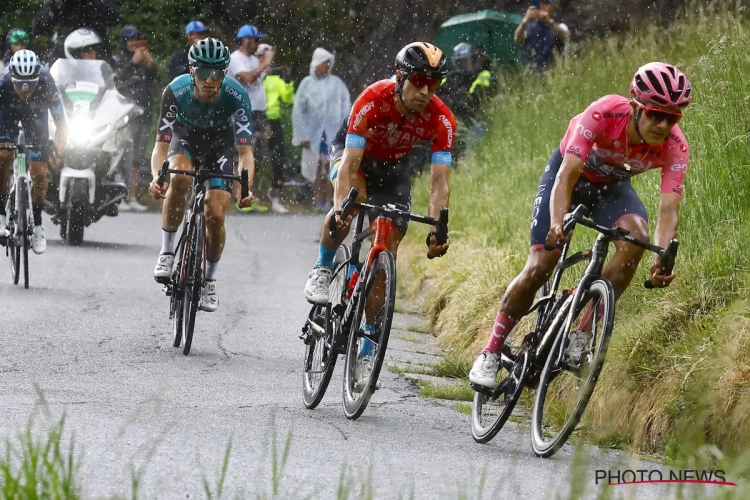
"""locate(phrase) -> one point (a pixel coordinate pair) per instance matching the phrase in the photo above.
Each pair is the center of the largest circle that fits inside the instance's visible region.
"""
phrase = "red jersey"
(388, 135)
(599, 137)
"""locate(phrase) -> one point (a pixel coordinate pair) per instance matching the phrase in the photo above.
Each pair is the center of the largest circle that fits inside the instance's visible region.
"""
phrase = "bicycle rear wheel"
(193, 281)
(357, 388)
(565, 387)
(320, 352)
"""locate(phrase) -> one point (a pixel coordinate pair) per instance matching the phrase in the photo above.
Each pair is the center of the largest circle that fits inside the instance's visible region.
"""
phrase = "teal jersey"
(178, 104)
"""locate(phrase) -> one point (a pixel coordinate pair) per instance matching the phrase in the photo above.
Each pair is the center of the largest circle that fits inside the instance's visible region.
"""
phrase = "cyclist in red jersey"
(369, 152)
(614, 139)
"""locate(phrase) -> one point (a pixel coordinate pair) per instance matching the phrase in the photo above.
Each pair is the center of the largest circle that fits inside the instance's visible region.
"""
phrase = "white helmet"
(80, 39)
(24, 65)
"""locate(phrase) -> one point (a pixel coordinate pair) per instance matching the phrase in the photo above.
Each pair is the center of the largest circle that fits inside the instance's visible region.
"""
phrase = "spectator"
(17, 39)
(250, 70)
(279, 89)
(69, 15)
(178, 64)
(540, 35)
(321, 105)
(135, 78)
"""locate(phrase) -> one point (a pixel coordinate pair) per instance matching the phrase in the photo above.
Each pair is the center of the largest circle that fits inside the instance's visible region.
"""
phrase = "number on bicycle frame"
(21, 163)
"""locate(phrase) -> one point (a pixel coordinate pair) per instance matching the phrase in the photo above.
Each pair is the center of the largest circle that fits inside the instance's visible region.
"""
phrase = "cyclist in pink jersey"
(614, 139)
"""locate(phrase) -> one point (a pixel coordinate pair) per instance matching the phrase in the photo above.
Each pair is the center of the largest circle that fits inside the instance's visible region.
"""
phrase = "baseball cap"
(249, 31)
(195, 27)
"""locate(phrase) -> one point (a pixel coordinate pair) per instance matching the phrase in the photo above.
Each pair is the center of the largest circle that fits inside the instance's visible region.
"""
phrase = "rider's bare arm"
(347, 175)
(246, 161)
(158, 155)
(440, 190)
(562, 191)
(666, 226)
(61, 136)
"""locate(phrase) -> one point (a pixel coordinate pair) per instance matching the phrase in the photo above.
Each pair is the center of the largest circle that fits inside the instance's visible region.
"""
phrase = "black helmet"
(421, 57)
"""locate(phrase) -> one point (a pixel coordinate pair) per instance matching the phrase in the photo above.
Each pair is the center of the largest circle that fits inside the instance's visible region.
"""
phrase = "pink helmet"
(661, 83)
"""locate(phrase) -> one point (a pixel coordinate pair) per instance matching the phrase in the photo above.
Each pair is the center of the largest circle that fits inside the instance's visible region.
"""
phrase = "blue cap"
(249, 31)
(195, 27)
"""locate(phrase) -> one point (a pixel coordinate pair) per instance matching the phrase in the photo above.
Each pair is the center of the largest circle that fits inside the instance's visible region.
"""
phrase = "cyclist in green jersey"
(204, 116)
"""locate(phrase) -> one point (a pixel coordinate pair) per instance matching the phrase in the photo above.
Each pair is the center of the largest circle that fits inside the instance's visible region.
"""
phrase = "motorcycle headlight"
(81, 131)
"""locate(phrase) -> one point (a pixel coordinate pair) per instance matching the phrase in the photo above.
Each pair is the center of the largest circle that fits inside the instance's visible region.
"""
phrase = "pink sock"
(503, 326)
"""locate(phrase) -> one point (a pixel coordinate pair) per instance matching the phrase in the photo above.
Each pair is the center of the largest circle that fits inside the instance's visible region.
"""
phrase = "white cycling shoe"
(484, 371)
(316, 288)
(38, 241)
(209, 299)
(163, 269)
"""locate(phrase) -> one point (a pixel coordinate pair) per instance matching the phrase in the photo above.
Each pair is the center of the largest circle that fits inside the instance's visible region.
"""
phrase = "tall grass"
(679, 363)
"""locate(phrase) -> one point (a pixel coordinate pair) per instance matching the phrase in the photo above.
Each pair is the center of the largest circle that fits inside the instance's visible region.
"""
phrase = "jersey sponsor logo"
(615, 115)
(243, 140)
(537, 204)
(678, 167)
(241, 115)
(678, 190)
(181, 91)
(243, 128)
(596, 115)
(222, 161)
(573, 150)
(449, 129)
(385, 107)
(362, 112)
(167, 124)
(683, 148)
(172, 111)
(229, 90)
(420, 132)
(585, 132)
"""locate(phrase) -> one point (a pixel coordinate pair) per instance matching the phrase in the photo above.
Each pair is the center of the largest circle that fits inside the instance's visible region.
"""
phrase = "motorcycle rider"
(83, 43)
(26, 93)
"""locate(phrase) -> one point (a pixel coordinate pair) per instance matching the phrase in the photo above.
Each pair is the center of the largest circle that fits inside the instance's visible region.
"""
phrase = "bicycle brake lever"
(163, 173)
(668, 258)
(244, 188)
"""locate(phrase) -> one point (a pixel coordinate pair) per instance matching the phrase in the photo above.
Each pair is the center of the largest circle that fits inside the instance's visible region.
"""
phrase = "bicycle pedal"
(481, 389)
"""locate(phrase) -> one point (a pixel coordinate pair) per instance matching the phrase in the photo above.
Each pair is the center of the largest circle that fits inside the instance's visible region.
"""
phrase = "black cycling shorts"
(387, 182)
(212, 149)
(607, 202)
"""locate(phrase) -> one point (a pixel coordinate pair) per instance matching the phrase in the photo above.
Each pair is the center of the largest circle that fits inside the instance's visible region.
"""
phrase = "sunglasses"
(215, 73)
(20, 83)
(659, 115)
(419, 80)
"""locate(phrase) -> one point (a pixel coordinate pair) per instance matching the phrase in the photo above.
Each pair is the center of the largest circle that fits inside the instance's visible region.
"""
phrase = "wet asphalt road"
(93, 335)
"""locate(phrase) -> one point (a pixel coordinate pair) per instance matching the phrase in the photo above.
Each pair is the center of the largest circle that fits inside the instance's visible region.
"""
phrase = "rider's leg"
(175, 201)
(39, 182)
(216, 203)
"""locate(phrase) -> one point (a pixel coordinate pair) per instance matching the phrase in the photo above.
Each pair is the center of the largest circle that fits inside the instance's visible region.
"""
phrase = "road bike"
(359, 291)
(564, 354)
(187, 279)
(20, 224)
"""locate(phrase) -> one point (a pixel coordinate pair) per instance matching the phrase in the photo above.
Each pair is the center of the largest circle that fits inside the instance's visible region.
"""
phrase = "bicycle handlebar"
(667, 255)
(350, 203)
(205, 175)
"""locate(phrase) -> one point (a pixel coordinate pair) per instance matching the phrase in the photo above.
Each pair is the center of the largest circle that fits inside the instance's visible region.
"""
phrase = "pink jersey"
(599, 135)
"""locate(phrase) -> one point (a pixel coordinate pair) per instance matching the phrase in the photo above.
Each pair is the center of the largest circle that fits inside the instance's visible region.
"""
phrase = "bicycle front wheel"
(572, 369)
(320, 352)
(177, 308)
(376, 304)
(13, 250)
(22, 219)
(193, 281)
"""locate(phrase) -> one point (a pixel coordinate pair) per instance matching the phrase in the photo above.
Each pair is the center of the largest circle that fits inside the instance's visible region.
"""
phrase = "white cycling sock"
(167, 241)
(211, 270)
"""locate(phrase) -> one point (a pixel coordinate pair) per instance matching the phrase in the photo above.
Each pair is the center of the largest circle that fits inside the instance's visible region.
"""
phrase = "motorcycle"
(98, 145)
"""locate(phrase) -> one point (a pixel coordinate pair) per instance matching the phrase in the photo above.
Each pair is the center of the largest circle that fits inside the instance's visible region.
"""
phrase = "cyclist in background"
(614, 139)
(26, 93)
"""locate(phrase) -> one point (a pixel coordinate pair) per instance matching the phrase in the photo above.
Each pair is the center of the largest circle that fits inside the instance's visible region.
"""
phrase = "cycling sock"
(325, 257)
(37, 211)
(3, 201)
(167, 241)
(211, 270)
(503, 326)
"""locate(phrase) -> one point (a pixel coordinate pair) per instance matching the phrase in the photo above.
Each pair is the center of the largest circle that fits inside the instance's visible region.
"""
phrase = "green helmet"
(209, 52)
(18, 36)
